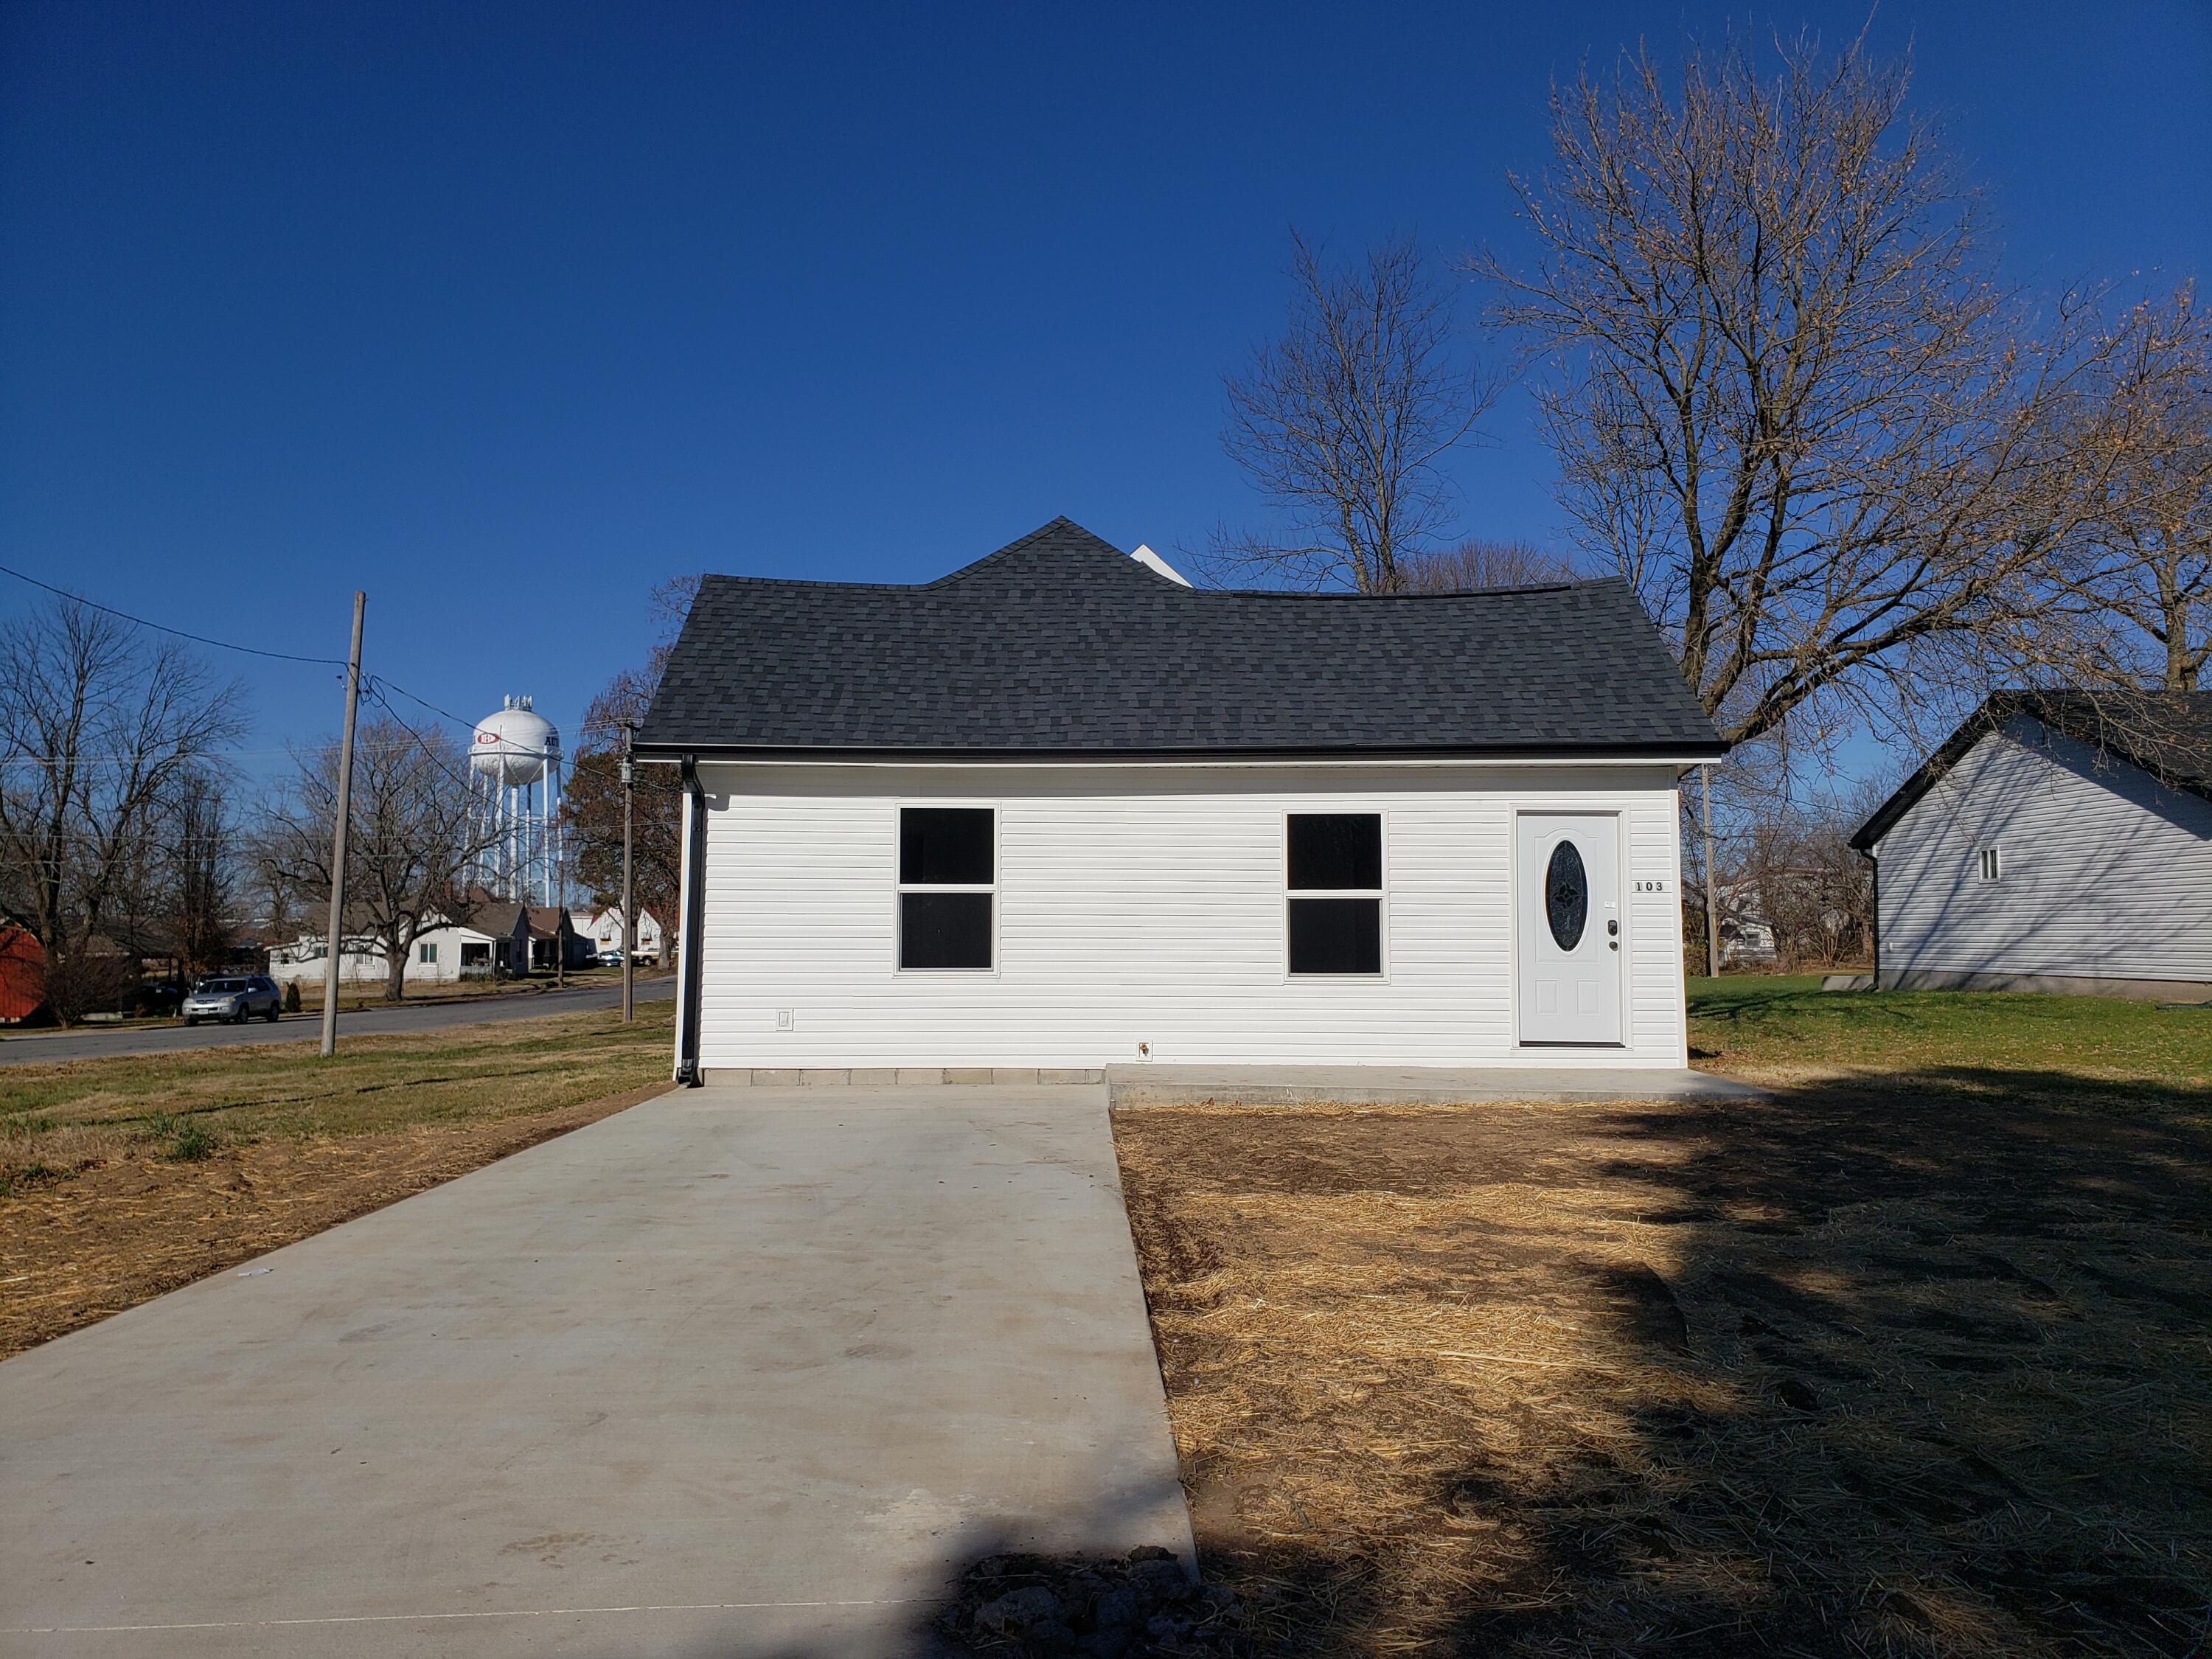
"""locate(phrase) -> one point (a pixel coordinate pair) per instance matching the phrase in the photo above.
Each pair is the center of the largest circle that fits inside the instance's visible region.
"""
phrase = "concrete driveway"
(34, 1047)
(737, 1371)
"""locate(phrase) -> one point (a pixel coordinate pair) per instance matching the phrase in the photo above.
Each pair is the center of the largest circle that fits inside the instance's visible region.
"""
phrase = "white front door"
(1568, 974)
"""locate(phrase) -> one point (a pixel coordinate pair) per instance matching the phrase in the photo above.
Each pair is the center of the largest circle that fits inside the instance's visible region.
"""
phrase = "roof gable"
(2167, 734)
(1059, 644)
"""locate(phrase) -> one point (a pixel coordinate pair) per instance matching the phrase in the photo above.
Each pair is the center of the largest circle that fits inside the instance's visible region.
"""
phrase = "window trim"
(1380, 895)
(901, 889)
(1991, 862)
(426, 953)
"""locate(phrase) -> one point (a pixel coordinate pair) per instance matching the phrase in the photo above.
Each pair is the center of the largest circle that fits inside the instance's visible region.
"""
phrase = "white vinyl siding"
(1147, 905)
(2031, 856)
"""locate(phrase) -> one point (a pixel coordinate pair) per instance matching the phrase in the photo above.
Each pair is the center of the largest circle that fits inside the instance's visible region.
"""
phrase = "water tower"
(515, 783)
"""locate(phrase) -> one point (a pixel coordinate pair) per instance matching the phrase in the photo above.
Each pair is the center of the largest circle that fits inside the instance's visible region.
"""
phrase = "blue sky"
(506, 312)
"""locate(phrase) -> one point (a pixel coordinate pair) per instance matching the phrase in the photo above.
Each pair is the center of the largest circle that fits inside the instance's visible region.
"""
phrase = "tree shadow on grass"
(1914, 1366)
(1962, 1319)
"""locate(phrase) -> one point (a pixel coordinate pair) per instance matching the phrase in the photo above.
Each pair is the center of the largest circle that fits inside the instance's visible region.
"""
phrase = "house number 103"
(1649, 886)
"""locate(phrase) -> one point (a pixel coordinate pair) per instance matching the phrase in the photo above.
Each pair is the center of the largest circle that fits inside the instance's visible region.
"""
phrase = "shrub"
(190, 1140)
(291, 996)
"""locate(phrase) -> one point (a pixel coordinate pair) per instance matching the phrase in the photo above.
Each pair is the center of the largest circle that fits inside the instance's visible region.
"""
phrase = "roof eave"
(1681, 753)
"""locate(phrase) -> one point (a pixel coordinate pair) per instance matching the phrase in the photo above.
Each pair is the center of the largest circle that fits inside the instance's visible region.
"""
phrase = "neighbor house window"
(1335, 892)
(426, 954)
(1989, 866)
(475, 956)
(947, 887)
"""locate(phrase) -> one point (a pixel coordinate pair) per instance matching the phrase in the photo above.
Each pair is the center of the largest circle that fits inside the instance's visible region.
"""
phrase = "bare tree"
(2149, 565)
(1345, 422)
(199, 854)
(592, 804)
(1478, 563)
(1793, 876)
(1791, 400)
(413, 839)
(100, 728)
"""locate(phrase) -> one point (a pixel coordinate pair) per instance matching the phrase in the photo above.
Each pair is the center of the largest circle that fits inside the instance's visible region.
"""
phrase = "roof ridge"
(1021, 544)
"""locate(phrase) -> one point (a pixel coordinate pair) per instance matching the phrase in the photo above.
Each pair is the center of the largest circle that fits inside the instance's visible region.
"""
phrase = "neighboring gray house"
(2058, 841)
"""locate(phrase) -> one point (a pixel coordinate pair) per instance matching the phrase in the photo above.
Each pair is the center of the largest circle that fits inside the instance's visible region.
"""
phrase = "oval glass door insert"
(1566, 896)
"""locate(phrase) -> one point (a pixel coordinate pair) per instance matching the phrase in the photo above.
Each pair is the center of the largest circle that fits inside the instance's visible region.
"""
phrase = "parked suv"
(234, 999)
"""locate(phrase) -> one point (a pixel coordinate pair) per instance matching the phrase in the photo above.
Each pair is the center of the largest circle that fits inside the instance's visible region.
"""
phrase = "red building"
(23, 975)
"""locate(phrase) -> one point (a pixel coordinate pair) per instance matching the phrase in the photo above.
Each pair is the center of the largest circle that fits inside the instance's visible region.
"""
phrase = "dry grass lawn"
(123, 1178)
(1908, 1362)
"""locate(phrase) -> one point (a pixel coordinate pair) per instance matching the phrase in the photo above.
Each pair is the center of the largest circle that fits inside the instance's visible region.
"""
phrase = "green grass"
(62, 1117)
(1775, 1027)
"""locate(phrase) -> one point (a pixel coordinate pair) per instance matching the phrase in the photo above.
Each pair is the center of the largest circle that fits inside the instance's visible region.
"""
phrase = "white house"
(603, 930)
(2056, 841)
(1060, 810)
(495, 937)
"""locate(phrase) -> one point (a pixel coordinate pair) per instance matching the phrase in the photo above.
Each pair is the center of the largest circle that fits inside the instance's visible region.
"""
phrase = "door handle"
(1613, 930)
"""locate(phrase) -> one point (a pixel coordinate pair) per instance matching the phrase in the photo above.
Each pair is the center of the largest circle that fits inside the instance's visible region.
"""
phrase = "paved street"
(738, 1371)
(29, 1048)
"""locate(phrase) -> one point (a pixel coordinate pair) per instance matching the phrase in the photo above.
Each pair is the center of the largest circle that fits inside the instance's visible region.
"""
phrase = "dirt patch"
(1901, 1370)
(126, 1230)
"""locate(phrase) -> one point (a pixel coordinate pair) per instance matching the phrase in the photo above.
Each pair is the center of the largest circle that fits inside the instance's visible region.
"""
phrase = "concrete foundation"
(2070, 985)
(1293, 1086)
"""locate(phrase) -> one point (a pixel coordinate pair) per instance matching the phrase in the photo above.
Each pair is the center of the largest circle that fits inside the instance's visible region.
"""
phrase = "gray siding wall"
(2103, 874)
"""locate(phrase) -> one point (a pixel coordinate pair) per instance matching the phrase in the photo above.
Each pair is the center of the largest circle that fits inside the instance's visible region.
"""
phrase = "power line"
(375, 684)
(53, 761)
(163, 628)
(376, 696)
(393, 685)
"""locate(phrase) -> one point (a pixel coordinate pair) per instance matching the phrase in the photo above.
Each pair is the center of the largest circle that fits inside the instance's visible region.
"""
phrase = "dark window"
(1336, 936)
(945, 847)
(1566, 894)
(946, 868)
(1336, 852)
(945, 930)
(1339, 853)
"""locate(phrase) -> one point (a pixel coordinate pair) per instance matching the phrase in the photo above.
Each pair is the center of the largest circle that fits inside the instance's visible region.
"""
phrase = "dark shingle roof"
(495, 920)
(2167, 734)
(1059, 644)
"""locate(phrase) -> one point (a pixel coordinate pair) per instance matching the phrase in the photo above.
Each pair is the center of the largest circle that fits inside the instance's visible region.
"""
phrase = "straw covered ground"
(1906, 1363)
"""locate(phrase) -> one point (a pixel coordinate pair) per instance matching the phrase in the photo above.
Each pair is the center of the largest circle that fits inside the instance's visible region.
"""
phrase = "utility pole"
(557, 875)
(1712, 884)
(629, 914)
(335, 940)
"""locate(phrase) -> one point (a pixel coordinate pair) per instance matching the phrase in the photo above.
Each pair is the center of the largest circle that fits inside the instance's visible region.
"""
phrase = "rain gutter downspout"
(688, 1072)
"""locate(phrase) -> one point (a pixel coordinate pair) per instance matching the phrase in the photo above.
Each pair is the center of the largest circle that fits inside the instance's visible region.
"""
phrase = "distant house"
(1059, 809)
(1747, 937)
(555, 942)
(495, 940)
(2057, 840)
(603, 929)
